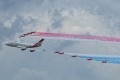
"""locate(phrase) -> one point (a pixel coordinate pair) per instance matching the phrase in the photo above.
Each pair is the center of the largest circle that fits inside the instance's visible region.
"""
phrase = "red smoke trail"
(76, 36)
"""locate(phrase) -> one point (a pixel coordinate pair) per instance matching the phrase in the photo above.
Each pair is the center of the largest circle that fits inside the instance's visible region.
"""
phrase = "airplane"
(58, 52)
(24, 46)
(89, 59)
(74, 56)
(104, 61)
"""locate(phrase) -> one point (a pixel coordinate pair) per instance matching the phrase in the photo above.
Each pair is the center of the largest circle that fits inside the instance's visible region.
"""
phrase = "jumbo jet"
(24, 46)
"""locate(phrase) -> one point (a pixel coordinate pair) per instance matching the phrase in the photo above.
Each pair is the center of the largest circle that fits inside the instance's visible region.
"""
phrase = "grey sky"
(96, 17)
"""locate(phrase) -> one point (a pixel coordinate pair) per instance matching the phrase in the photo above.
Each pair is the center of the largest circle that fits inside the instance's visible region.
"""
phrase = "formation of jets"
(30, 33)
(101, 58)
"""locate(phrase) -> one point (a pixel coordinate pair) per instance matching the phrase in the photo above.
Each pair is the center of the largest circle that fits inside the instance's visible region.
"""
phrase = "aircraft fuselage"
(16, 44)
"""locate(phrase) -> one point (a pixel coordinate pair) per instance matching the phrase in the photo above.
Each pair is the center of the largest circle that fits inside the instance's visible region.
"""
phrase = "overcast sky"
(96, 17)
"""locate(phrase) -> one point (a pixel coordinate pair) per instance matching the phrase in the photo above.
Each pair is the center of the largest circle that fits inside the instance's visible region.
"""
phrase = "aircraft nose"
(6, 44)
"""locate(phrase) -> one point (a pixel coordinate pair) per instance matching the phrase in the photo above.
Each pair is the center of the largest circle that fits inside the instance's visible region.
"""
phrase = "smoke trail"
(75, 37)
(114, 59)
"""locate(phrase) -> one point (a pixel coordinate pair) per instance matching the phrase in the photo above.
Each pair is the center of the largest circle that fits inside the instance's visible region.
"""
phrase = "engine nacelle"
(32, 50)
(23, 49)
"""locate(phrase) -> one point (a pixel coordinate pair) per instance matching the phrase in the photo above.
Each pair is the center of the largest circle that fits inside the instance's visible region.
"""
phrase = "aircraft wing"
(101, 58)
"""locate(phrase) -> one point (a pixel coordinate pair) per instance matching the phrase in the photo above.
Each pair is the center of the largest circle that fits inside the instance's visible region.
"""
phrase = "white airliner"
(24, 46)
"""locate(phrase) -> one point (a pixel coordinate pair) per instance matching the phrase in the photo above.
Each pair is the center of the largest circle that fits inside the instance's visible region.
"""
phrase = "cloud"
(78, 17)
(31, 74)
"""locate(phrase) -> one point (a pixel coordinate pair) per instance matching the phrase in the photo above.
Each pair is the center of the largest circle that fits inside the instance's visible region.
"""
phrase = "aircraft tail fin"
(38, 43)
